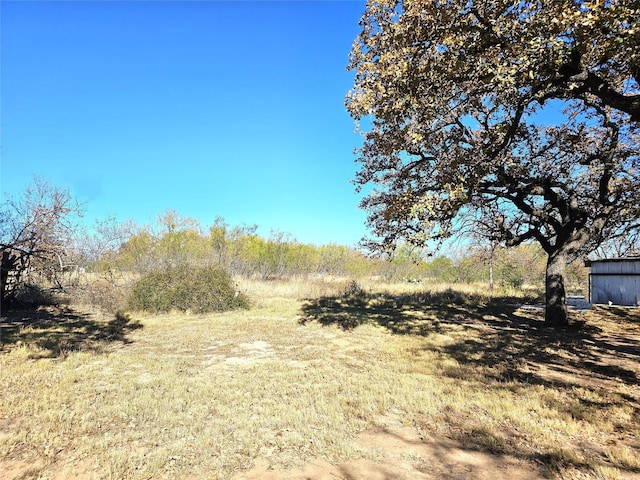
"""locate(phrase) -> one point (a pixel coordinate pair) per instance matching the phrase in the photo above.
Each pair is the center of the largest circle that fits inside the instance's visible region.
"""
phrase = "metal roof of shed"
(588, 262)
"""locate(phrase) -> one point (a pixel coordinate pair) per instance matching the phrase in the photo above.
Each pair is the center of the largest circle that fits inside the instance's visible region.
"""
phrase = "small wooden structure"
(615, 281)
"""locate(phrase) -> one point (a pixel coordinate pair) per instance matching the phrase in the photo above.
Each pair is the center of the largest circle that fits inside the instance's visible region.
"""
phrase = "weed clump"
(352, 288)
(354, 294)
(186, 289)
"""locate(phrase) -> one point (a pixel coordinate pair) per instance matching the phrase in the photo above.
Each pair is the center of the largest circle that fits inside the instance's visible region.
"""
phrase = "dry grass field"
(322, 380)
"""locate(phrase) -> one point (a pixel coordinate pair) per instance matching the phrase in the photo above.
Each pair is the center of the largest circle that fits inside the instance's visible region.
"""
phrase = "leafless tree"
(35, 231)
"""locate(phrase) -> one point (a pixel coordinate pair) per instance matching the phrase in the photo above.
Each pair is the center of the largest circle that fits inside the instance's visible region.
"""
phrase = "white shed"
(615, 280)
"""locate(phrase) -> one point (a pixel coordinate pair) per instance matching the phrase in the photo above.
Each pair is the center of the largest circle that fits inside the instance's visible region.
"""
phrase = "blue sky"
(232, 109)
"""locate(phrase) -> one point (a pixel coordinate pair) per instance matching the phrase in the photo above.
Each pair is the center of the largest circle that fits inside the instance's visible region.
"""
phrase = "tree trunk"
(491, 272)
(556, 314)
(7, 263)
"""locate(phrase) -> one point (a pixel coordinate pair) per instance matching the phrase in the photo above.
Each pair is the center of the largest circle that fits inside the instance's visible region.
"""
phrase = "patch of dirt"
(16, 469)
(251, 353)
(402, 454)
(243, 354)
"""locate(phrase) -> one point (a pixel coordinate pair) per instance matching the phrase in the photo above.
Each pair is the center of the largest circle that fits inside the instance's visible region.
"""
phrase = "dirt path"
(391, 451)
(401, 454)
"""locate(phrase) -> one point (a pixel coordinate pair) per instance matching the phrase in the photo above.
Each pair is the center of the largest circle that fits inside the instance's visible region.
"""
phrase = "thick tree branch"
(574, 84)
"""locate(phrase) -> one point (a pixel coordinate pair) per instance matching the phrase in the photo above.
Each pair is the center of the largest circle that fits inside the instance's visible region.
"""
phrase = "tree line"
(43, 242)
(514, 123)
(241, 251)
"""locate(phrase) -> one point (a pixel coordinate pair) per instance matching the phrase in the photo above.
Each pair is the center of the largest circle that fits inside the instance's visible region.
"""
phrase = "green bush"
(194, 289)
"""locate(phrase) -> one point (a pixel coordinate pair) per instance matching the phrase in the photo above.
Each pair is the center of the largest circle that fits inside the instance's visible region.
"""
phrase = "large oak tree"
(519, 120)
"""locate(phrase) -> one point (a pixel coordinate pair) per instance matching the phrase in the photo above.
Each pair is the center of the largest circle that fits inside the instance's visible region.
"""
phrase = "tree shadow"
(504, 345)
(519, 346)
(420, 313)
(509, 331)
(55, 331)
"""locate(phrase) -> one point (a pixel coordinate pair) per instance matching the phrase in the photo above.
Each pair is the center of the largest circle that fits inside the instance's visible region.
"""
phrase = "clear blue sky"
(232, 109)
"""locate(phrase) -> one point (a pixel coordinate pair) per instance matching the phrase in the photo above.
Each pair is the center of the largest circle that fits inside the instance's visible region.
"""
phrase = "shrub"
(194, 289)
(107, 296)
(352, 289)
(354, 294)
(27, 295)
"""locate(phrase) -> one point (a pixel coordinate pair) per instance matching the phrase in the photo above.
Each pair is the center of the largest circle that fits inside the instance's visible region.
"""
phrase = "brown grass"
(309, 367)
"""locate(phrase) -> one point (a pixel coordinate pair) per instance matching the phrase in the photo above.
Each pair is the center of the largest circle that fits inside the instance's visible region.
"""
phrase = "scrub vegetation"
(186, 289)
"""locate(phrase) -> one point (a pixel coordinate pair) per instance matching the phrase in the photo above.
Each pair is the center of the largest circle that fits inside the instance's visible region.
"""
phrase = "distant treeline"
(176, 241)
(45, 252)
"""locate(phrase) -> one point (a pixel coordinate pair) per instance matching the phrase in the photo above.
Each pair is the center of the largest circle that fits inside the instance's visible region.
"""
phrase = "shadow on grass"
(497, 342)
(419, 313)
(54, 331)
(501, 332)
